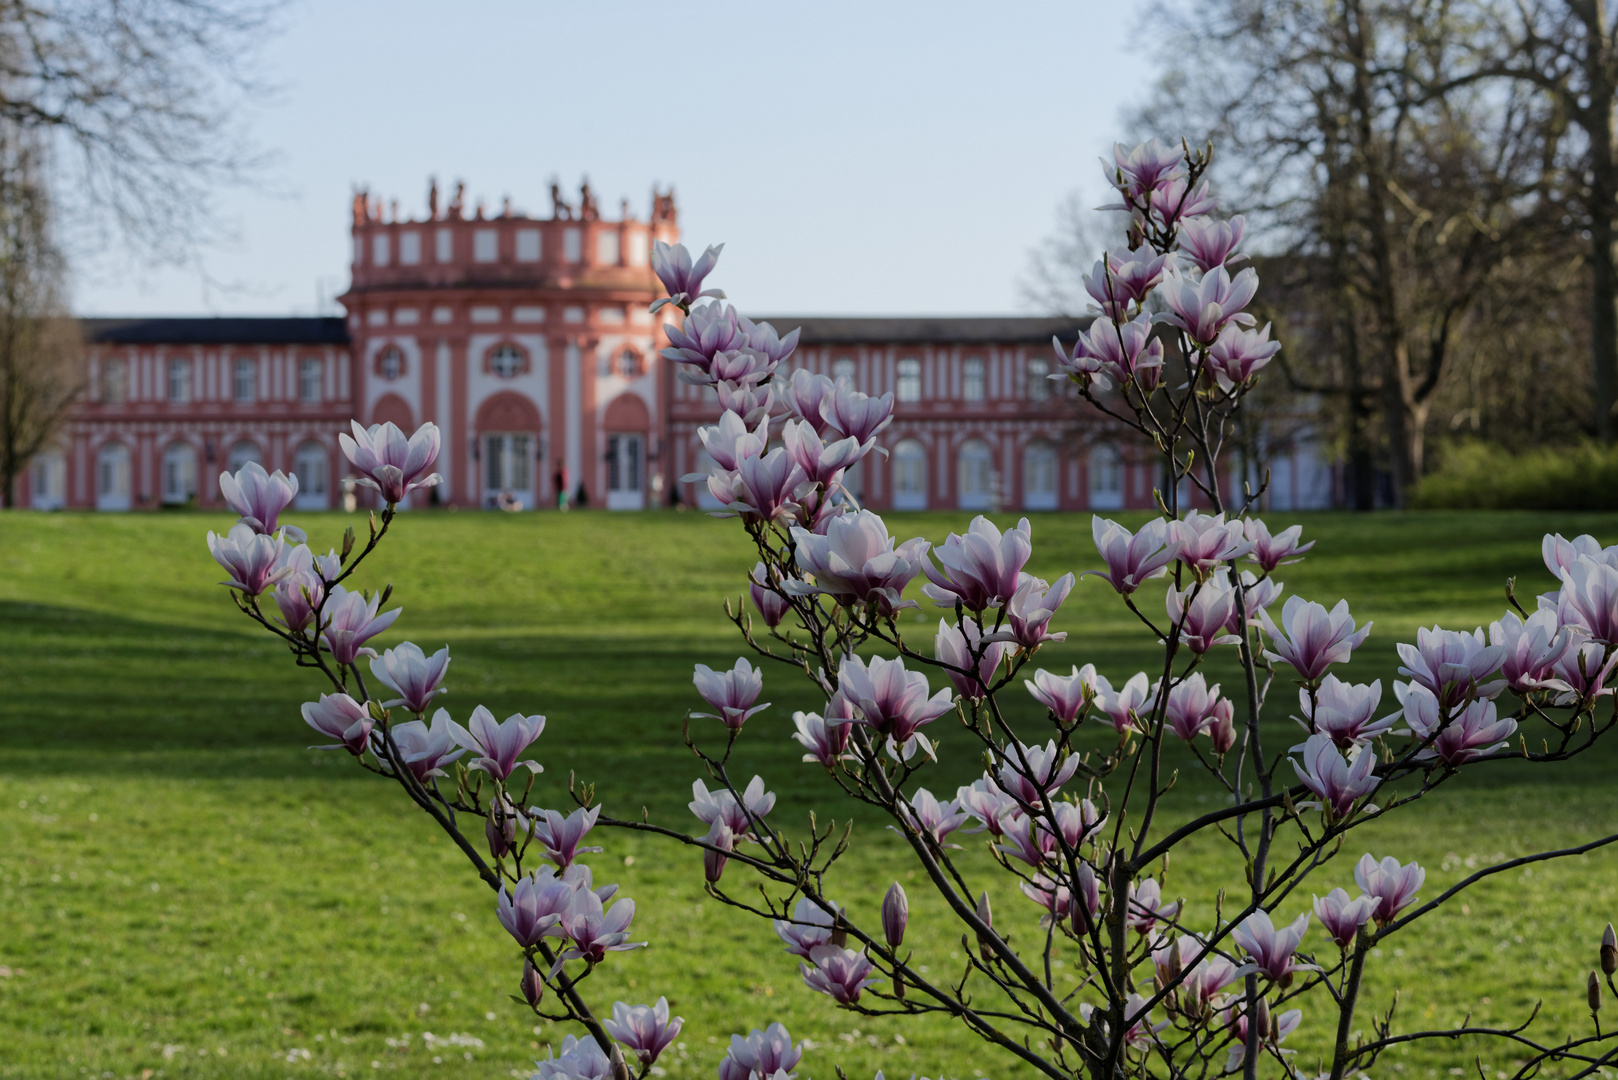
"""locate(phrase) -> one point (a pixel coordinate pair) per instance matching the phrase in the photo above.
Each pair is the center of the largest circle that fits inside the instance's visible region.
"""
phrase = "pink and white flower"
(1341, 917)
(497, 745)
(1313, 639)
(411, 674)
(1269, 948)
(730, 693)
(980, 568)
(390, 463)
(1392, 886)
(342, 718)
(1066, 696)
(1338, 783)
(1133, 558)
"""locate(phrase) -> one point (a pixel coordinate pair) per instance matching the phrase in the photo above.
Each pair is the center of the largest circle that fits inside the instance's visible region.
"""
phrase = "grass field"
(188, 892)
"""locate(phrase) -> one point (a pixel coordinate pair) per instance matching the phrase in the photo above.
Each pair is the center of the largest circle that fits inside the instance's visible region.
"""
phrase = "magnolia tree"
(1078, 826)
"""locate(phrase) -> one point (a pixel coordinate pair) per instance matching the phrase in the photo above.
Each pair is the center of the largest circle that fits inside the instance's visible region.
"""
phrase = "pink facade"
(528, 342)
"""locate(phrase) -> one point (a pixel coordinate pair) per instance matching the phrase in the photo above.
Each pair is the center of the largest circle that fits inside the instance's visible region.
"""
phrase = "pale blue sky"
(853, 157)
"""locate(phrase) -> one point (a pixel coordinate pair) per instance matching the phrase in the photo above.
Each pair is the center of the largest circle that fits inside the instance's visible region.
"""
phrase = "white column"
(446, 425)
(573, 410)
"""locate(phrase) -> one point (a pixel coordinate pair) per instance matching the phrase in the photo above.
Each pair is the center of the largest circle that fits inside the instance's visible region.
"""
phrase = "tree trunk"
(1599, 81)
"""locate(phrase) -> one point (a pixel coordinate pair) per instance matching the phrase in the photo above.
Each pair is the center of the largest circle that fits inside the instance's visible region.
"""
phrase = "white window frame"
(907, 387)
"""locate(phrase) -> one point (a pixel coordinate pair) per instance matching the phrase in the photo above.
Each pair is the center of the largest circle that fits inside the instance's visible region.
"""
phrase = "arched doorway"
(509, 450)
(179, 473)
(112, 477)
(627, 423)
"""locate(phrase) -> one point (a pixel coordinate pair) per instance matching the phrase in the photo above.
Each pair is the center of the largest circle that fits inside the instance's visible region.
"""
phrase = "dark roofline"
(221, 330)
(929, 329)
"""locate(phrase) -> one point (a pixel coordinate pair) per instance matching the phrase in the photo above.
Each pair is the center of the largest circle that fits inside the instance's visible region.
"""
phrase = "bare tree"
(140, 106)
(40, 350)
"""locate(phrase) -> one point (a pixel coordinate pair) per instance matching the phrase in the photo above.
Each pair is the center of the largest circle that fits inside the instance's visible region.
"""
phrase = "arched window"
(179, 380)
(507, 361)
(1039, 379)
(625, 461)
(245, 380)
(974, 384)
(390, 362)
(114, 383)
(844, 367)
(310, 466)
(1039, 476)
(909, 388)
(975, 476)
(311, 374)
(241, 453)
(629, 364)
(910, 475)
(112, 477)
(1106, 478)
(179, 473)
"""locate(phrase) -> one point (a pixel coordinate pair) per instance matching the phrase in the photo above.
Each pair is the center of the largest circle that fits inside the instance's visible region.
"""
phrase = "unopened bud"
(1609, 951)
(348, 543)
(895, 915)
(985, 950)
(1592, 990)
(620, 1067)
(386, 593)
(713, 862)
(1175, 964)
(839, 934)
(374, 707)
(499, 845)
(1262, 1018)
(533, 987)
(373, 524)
(898, 985)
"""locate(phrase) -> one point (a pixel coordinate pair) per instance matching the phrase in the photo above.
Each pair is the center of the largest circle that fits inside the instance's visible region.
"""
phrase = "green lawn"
(188, 892)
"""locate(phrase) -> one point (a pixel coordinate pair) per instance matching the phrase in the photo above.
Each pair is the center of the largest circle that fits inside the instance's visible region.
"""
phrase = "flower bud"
(1592, 990)
(713, 861)
(895, 915)
(1609, 951)
(532, 986)
(987, 916)
(1223, 733)
(1262, 1019)
(620, 1067)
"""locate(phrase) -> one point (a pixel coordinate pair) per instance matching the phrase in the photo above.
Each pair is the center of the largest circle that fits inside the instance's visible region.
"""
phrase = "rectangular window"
(623, 462)
(572, 245)
(380, 250)
(528, 245)
(485, 245)
(639, 247)
(1039, 383)
(445, 242)
(244, 380)
(506, 464)
(909, 388)
(179, 380)
(972, 378)
(607, 249)
(311, 373)
(409, 248)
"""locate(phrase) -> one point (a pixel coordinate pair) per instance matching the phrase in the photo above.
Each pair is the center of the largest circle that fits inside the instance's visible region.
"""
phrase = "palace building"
(528, 342)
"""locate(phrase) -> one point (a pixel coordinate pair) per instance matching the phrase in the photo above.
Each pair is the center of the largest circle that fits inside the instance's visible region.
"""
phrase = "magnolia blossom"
(562, 836)
(1254, 597)
(763, 338)
(342, 718)
(1194, 706)
(1560, 554)
(351, 621)
(856, 562)
(1341, 917)
(1273, 551)
(1452, 664)
(717, 846)
(1146, 906)
(534, 906)
(1531, 648)
(1269, 949)
(1203, 612)
(763, 488)
(1140, 1032)
(1122, 706)
(804, 393)
(1475, 728)
(850, 414)
(300, 592)
(1392, 886)
(1582, 675)
(645, 1029)
(987, 804)
(810, 926)
(259, 497)
(1198, 971)
(680, 276)
(1032, 607)
(1055, 898)
(895, 915)
(1033, 774)
(709, 331)
(1338, 783)
(411, 674)
(825, 740)
(1133, 558)
(580, 1059)
(1139, 171)
(1174, 201)
(731, 693)
(890, 699)
(1344, 711)
(425, 750)
(1112, 351)
(1210, 244)
(772, 606)
(980, 568)
(1313, 639)
(721, 805)
(731, 441)
(1235, 1020)
(594, 930)
(841, 974)
(1066, 696)
(926, 815)
(1203, 308)
(1238, 354)
(762, 1054)
(497, 745)
(823, 463)
(1206, 540)
(1118, 281)
(390, 463)
(254, 561)
(1590, 591)
(954, 646)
